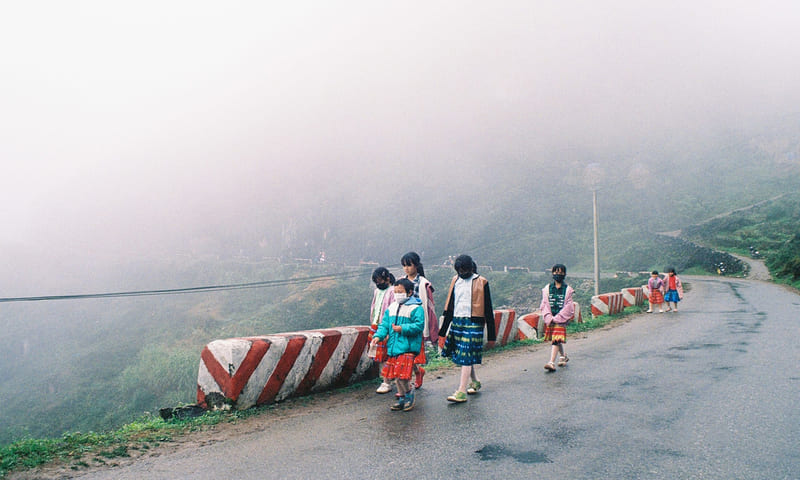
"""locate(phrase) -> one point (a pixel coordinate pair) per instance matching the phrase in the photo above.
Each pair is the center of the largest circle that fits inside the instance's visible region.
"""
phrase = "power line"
(207, 288)
(175, 291)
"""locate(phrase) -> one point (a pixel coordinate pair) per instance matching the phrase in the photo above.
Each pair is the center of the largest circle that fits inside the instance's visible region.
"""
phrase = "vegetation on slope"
(770, 227)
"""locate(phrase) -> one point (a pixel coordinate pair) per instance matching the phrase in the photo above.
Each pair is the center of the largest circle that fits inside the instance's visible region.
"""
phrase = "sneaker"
(562, 360)
(399, 405)
(457, 397)
(409, 400)
(649, 311)
(384, 388)
(474, 387)
(550, 367)
(418, 378)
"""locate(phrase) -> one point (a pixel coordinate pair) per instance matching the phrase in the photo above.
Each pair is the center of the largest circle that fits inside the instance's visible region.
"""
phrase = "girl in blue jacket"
(402, 326)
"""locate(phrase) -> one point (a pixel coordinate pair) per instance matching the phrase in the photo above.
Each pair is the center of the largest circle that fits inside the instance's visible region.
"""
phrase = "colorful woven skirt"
(556, 333)
(421, 358)
(400, 367)
(381, 355)
(656, 297)
(464, 343)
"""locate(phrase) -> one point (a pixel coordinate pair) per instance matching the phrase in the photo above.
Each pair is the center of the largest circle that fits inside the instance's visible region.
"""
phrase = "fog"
(140, 127)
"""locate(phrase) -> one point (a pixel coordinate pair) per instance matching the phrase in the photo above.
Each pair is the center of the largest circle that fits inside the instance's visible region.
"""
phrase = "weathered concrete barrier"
(531, 325)
(505, 326)
(578, 316)
(252, 371)
(632, 296)
(607, 304)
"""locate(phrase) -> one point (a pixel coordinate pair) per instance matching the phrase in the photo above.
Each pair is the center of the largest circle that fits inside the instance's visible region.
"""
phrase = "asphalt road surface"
(710, 392)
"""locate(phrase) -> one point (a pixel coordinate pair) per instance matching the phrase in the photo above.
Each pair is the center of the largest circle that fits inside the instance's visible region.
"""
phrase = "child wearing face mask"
(467, 309)
(557, 309)
(382, 297)
(401, 328)
(423, 289)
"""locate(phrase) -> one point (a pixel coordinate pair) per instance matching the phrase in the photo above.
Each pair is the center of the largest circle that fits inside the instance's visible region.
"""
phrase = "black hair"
(559, 266)
(382, 273)
(407, 284)
(672, 269)
(412, 258)
(654, 272)
(465, 262)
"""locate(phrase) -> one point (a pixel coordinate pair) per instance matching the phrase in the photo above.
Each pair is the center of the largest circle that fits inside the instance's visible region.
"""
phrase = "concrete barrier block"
(607, 304)
(530, 326)
(632, 296)
(505, 327)
(578, 316)
(259, 370)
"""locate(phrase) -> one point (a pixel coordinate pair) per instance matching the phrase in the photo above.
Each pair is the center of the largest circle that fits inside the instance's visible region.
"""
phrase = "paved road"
(711, 392)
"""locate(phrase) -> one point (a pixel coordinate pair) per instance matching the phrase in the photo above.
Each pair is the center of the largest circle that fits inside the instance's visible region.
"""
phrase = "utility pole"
(596, 248)
(594, 174)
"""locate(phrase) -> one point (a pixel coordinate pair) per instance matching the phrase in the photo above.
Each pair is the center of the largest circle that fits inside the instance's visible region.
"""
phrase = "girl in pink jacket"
(557, 309)
(674, 288)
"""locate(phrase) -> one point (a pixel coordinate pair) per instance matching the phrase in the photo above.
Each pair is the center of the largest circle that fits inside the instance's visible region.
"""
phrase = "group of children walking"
(668, 290)
(403, 321)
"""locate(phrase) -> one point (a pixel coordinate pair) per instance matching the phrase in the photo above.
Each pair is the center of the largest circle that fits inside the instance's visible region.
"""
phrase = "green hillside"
(772, 228)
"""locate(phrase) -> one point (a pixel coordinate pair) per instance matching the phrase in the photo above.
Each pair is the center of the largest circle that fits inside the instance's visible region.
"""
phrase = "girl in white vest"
(468, 310)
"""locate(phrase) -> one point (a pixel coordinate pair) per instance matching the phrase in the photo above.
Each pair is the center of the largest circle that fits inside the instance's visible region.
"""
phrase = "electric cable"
(174, 291)
(201, 289)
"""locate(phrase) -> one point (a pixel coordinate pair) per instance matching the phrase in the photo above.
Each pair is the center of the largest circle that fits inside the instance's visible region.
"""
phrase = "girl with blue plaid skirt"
(468, 309)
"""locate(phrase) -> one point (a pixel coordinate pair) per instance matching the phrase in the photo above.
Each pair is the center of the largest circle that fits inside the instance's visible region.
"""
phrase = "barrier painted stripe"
(201, 397)
(217, 371)
(330, 340)
(356, 351)
(293, 347)
(509, 325)
(528, 325)
(257, 350)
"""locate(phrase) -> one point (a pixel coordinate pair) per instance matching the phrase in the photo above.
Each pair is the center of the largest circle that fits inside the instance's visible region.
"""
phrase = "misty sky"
(127, 121)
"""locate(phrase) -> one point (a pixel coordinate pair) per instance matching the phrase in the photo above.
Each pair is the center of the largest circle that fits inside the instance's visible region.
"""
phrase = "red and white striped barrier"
(607, 304)
(259, 370)
(578, 316)
(505, 326)
(632, 296)
(530, 326)
(646, 291)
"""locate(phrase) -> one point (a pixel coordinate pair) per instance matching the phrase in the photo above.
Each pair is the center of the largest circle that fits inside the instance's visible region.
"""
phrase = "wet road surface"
(710, 392)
